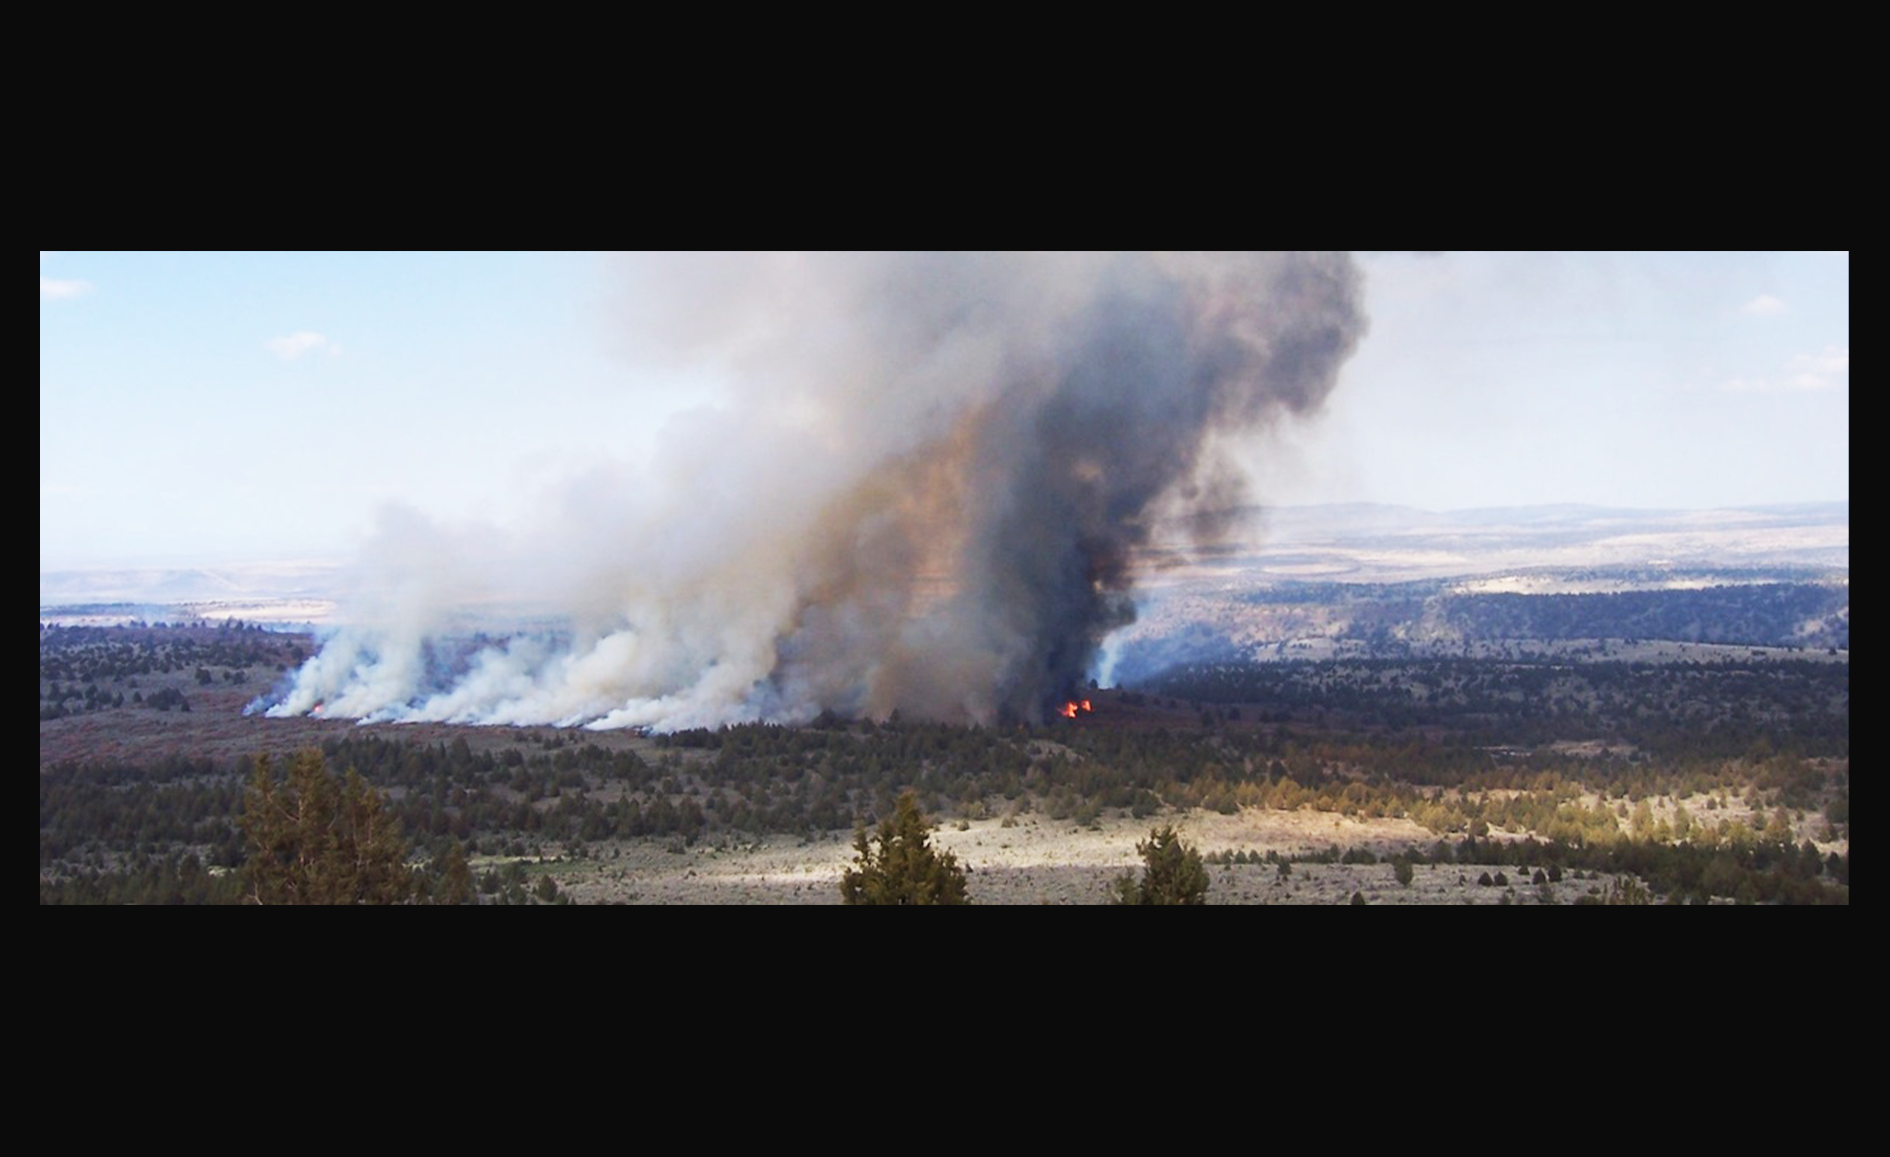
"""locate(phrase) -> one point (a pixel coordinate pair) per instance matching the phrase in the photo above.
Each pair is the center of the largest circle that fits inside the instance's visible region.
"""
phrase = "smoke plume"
(925, 490)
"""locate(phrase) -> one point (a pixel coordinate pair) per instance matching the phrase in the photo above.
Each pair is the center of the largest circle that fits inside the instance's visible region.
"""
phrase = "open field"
(1044, 861)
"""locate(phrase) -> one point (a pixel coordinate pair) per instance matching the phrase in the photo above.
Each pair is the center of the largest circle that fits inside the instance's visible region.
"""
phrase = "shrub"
(1172, 873)
(903, 869)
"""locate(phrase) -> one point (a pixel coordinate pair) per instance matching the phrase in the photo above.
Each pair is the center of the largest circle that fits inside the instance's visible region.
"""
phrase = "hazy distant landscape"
(1524, 550)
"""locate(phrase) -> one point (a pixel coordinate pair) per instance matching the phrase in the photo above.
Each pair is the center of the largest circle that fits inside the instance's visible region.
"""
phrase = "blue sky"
(219, 408)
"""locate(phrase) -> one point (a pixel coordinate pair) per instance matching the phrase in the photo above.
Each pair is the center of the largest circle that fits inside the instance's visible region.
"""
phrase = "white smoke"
(924, 490)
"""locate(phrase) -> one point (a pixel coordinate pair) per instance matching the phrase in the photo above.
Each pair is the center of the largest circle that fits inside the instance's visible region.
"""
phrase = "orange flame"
(1069, 710)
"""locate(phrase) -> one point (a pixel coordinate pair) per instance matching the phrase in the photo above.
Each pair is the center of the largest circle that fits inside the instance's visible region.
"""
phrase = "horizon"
(337, 561)
(1263, 547)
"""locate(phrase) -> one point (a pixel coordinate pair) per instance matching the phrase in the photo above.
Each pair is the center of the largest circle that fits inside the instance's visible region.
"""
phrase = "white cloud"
(1823, 371)
(56, 287)
(301, 342)
(1764, 305)
(1830, 370)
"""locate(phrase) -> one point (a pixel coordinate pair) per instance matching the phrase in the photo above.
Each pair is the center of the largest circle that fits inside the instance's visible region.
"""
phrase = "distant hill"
(1380, 543)
(275, 593)
(167, 585)
(1259, 577)
(1361, 580)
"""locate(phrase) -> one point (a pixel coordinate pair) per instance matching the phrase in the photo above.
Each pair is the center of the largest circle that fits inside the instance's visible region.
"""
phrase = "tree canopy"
(313, 840)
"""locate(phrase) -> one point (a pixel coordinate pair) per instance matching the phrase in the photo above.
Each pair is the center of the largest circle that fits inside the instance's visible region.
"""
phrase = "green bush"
(903, 869)
(1172, 873)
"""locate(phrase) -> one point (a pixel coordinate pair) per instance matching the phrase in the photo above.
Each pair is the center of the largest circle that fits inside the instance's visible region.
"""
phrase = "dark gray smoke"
(926, 491)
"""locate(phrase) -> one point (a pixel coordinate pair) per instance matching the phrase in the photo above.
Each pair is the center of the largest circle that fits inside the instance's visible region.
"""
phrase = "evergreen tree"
(314, 841)
(903, 869)
(1172, 873)
(456, 882)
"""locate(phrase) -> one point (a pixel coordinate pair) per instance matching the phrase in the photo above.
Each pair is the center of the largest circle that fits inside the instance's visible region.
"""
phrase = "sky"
(213, 409)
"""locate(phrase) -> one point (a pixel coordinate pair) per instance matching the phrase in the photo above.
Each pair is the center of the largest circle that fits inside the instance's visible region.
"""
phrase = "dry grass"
(1045, 861)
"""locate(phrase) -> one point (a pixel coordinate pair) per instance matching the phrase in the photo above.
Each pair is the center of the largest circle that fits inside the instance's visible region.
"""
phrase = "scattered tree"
(903, 869)
(1173, 873)
(456, 882)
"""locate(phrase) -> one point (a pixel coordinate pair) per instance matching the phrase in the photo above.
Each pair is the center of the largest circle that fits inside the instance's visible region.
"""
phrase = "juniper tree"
(903, 869)
(1172, 873)
(312, 840)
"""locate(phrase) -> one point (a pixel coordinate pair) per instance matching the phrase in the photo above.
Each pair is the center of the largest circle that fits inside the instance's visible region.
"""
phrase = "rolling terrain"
(1623, 712)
